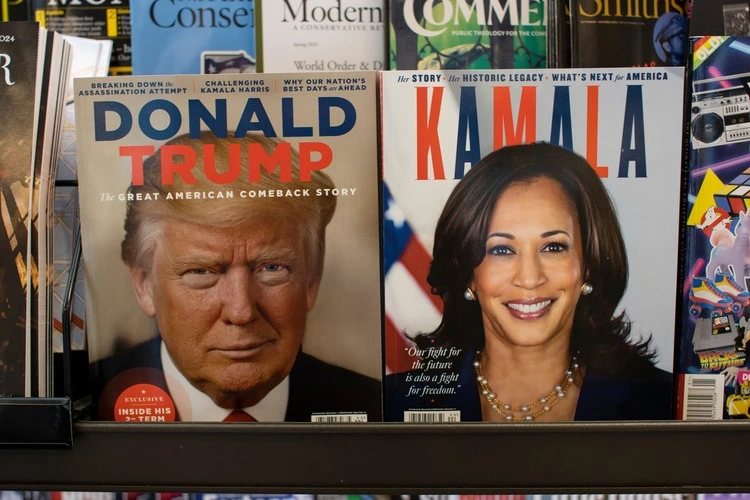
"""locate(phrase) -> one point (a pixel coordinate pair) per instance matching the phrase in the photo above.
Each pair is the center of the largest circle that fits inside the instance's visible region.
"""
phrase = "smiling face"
(529, 282)
(231, 303)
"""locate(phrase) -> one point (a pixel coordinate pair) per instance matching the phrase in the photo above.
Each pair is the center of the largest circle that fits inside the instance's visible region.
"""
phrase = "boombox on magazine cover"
(720, 116)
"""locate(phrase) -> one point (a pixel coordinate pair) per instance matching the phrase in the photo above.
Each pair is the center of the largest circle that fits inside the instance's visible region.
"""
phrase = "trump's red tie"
(239, 416)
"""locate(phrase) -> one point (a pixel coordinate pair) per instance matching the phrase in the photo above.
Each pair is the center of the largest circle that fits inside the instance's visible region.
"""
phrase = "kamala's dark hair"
(601, 338)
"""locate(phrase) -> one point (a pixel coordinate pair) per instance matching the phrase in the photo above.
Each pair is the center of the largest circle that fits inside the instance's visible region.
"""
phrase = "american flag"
(409, 304)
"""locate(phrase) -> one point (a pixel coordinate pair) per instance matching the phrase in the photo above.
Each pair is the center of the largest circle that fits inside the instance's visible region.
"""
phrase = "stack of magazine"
(33, 79)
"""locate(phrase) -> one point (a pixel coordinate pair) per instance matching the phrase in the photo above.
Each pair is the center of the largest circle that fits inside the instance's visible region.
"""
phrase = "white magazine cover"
(321, 35)
(626, 123)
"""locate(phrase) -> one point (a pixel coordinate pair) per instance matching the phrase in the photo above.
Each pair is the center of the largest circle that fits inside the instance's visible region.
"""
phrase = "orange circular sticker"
(144, 403)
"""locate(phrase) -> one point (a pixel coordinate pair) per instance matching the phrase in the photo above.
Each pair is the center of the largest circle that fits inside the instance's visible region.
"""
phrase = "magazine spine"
(682, 244)
(259, 45)
(575, 56)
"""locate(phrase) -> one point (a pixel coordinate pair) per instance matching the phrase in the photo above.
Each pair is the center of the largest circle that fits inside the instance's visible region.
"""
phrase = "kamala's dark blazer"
(638, 393)
(314, 386)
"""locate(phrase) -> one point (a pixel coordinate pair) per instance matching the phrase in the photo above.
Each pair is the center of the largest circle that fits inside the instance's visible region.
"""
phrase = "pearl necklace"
(527, 412)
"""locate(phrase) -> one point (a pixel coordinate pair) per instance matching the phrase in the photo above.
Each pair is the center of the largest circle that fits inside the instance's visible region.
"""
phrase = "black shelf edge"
(389, 458)
(31, 422)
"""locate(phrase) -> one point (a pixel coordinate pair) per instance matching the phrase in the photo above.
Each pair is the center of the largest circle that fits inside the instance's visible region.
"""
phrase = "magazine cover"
(192, 37)
(507, 296)
(714, 381)
(18, 81)
(226, 221)
(611, 34)
(467, 34)
(101, 20)
(321, 35)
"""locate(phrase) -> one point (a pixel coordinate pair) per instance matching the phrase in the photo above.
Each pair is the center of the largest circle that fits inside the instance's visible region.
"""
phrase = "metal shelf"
(389, 458)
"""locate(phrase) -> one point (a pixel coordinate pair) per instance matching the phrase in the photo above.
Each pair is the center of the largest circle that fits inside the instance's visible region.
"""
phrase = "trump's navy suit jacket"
(314, 386)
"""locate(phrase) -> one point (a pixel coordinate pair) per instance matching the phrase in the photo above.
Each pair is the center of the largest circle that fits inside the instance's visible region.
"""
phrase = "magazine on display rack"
(615, 34)
(462, 34)
(321, 35)
(226, 221)
(714, 381)
(34, 70)
(436, 127)
(171, 38)
(100, 20)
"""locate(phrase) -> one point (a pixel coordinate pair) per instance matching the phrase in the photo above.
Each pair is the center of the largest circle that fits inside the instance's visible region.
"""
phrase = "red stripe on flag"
(416, 260)
(74, 320)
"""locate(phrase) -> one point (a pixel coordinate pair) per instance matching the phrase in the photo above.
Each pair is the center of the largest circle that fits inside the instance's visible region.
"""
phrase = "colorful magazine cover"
(101, 20)
(226, 221)
(714, 380)
(171, 38)
(467, 34)
(321, 35)
(497, 309)
(615, 34)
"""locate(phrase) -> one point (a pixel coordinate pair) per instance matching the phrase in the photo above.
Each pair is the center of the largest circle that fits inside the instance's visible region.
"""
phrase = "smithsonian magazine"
(230, 243)
(497, 306)
(615, 34)
(714, 381)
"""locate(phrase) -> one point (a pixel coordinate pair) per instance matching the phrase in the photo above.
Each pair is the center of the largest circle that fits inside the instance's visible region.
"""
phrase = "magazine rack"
(45, 422)
(598, 457)
(385, 458)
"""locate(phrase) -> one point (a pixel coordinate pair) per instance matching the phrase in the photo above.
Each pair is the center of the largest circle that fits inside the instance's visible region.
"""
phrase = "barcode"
(703, 396)
(432, 416)
(339, 417)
